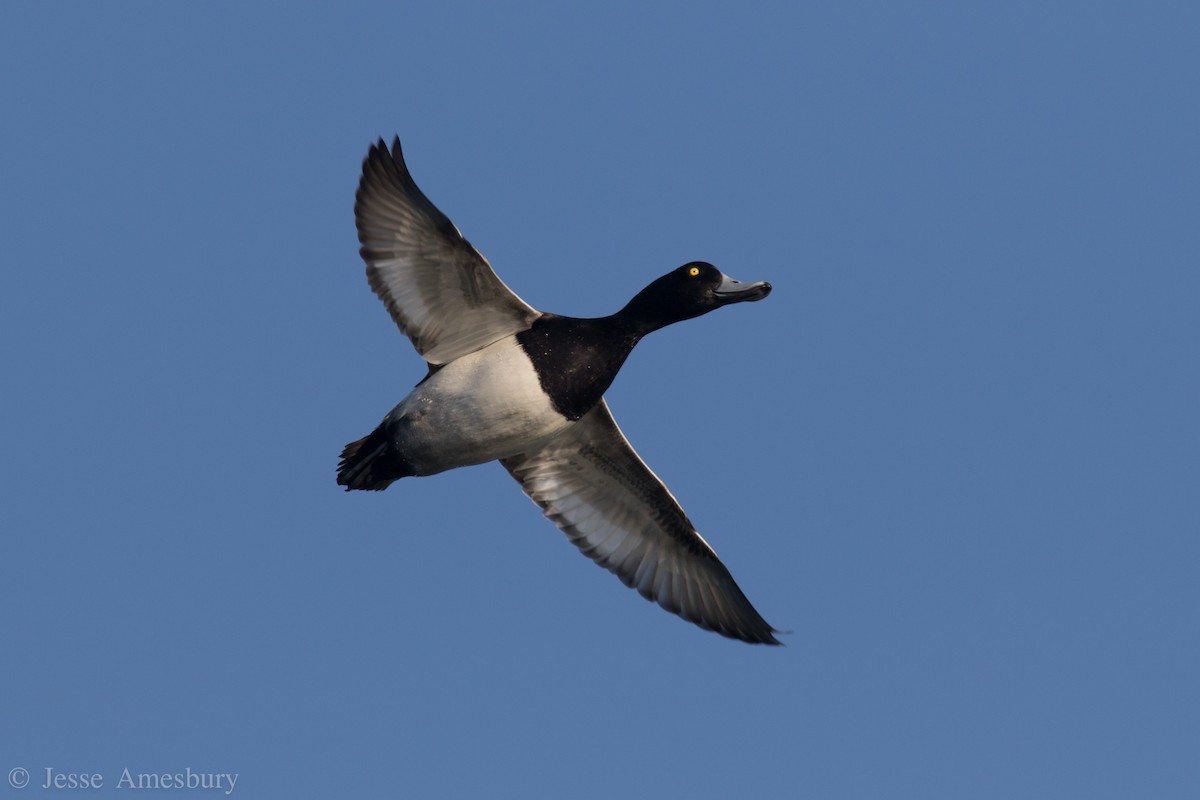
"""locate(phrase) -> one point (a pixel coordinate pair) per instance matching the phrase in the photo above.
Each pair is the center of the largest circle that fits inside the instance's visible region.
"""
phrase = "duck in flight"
(526, 388)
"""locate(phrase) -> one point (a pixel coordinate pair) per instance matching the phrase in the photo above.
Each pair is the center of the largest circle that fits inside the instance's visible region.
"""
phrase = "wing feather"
(592, 484)
(439, 290)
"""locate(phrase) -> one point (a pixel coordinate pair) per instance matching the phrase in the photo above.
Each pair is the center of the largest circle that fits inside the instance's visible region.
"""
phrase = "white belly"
(481, 407)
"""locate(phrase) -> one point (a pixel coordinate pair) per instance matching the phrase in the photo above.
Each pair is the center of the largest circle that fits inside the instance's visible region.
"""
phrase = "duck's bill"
(731, 291)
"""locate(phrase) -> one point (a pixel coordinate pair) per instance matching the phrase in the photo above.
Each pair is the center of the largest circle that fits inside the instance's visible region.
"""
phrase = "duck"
(509, 383)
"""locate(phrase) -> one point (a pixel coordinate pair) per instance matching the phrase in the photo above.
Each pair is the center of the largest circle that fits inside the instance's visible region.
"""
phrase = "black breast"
(576, 359)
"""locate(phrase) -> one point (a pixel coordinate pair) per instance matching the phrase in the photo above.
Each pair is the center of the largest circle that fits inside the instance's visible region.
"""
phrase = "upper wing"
(437, 287)
(591, 483)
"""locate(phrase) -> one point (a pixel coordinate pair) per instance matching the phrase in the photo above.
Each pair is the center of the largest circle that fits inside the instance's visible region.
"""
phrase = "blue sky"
(955, 453)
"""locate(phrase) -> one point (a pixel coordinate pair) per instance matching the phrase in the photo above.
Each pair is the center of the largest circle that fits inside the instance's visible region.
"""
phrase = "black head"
(688, 292)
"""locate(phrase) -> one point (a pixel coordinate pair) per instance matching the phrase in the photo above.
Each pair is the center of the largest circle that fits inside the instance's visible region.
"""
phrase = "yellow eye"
(694, 271)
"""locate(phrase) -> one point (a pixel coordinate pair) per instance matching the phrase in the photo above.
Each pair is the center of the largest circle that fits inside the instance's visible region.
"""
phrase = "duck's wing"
(438, 288)
(592, 484)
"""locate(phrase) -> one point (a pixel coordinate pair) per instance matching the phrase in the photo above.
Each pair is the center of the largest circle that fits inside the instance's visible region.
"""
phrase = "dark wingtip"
(764, 636)
(771, 641)
(378, 155)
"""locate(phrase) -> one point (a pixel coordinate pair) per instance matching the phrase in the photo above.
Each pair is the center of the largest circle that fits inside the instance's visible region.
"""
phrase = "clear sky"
(956, 453)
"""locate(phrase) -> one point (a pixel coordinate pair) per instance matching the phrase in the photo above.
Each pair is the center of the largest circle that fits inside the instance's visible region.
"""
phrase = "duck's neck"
(631, 328)
(641, 315)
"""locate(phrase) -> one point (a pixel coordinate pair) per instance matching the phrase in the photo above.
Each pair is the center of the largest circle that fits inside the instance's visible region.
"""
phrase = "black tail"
(372, 462)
